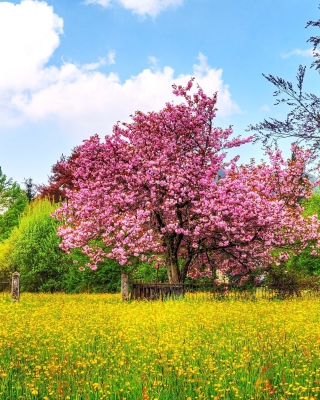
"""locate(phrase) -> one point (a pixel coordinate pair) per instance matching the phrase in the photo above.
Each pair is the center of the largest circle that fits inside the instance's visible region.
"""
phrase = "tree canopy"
(151, 190)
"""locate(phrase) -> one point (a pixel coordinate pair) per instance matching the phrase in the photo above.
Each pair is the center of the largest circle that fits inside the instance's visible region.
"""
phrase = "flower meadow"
(58, 346)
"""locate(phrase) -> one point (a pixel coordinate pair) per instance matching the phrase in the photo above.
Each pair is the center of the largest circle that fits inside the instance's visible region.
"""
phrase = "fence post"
(15, 287)
(125, 287)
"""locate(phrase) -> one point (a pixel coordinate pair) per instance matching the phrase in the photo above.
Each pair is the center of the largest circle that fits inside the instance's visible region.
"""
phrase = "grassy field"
(95, 347)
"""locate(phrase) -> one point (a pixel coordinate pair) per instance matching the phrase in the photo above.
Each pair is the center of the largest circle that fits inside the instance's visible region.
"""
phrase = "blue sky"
(70, 69)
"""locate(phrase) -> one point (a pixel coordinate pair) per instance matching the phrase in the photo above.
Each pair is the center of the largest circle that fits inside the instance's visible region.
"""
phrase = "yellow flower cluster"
(78, 347)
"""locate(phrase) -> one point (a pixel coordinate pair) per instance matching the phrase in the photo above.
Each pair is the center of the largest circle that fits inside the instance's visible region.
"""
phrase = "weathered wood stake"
(125, 287)
(15, 287)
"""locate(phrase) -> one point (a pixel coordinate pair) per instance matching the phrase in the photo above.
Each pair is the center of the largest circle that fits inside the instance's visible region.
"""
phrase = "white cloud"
(298, 52)
(80, 99)
(29, 34)
(141, 7)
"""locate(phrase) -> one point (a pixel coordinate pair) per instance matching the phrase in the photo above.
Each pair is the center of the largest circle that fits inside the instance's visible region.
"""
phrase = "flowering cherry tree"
(152, 190)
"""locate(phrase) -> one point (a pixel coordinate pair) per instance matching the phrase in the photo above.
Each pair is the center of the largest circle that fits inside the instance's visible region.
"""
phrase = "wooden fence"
(154, 291)
(5, 286)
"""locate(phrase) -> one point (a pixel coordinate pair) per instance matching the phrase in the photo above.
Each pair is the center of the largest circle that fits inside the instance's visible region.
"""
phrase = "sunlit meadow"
(96, 347)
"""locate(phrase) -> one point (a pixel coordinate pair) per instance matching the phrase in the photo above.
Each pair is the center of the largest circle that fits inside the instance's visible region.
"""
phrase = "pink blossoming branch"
(150, 191)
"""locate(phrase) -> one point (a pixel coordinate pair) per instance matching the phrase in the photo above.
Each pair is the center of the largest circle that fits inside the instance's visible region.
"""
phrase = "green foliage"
(282, 275)
(36, 254)
(312, 205)
(13, 201)
(305, 263)
(288, 280)
(7, 262)
(10, 218)
(8, 190)
(146, 272)
(105, 279)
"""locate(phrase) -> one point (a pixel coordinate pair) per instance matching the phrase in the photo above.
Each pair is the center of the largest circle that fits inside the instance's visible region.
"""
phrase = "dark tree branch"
(302, 123)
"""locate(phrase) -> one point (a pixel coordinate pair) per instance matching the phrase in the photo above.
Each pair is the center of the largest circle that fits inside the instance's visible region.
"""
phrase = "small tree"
(30, 189)
(151, 190)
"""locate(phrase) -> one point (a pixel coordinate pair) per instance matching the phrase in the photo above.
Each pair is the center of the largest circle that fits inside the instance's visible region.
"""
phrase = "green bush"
(33, 250)
(36, 254)
(105, 279)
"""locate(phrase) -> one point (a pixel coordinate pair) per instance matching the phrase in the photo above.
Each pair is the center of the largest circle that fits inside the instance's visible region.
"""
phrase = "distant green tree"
(13, 201)
(30, 189)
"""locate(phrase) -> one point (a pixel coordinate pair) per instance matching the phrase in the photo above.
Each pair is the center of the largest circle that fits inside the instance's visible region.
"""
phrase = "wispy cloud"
(93, 66)
(153, 61)
(298, 52)
(141, 7)
(111, 57)
(265, 108)
(103, 3)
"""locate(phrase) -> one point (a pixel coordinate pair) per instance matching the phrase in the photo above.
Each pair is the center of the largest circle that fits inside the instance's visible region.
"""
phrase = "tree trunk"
(172, 243)
(173, 269)
(185, 268)
(125, 287)
(173, 273)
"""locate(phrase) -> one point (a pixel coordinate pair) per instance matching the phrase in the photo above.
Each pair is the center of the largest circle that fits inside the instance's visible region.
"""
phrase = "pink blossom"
(151, 190)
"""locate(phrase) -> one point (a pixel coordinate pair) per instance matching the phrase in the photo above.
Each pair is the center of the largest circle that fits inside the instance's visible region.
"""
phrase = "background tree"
(151, 191)
(13, 201)
(30, 189)
(60, 180)
(303, 120)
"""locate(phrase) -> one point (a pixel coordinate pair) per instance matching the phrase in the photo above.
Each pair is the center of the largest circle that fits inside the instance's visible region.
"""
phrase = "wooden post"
(125, 287)
(15, 287)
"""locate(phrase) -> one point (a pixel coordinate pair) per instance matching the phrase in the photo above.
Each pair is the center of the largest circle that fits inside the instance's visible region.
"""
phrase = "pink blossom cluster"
(152, 188)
